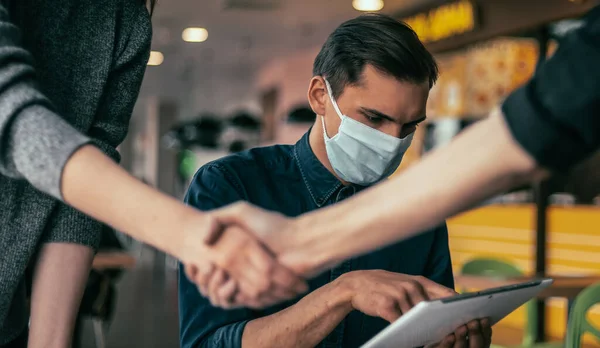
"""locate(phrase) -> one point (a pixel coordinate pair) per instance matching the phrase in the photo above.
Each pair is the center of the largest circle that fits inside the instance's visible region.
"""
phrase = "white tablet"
(429, 322)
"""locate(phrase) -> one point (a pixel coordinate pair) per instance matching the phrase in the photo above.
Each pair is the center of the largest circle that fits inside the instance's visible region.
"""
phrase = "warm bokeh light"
(195, 35)
(367, 5)
(156, 58)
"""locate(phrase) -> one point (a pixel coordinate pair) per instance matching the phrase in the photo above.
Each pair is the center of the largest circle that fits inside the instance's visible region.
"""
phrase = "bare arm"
(375, 293)
(482, 161)
(479, 163)
(304, 324)
(59, 281)
(95, 185)
(555, 119)
(108, 193)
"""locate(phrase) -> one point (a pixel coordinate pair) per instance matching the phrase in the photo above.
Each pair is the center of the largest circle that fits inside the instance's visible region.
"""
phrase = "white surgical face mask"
(360, 154)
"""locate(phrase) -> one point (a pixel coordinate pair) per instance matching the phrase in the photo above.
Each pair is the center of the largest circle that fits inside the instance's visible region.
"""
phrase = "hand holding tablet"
(430, 322)
(475, 334)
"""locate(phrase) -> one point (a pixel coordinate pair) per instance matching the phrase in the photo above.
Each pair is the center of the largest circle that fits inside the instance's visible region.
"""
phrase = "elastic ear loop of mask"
(335, 107)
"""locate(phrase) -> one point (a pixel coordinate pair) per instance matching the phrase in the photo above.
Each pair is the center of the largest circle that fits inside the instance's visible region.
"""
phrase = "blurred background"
(228, 75)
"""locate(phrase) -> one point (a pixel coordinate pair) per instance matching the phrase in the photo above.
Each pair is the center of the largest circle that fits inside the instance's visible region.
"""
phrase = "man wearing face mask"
(369, 90)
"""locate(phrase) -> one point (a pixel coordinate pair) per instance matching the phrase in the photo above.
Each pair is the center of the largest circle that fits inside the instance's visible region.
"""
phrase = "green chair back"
(578, 323)
(501, 269)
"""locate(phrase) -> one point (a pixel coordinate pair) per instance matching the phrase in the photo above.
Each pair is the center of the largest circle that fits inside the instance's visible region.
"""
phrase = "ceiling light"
(195, 35)
(156, 58)
(367, 5)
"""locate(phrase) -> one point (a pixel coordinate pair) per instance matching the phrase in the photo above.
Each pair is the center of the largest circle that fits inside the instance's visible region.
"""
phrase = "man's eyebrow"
(373, 112)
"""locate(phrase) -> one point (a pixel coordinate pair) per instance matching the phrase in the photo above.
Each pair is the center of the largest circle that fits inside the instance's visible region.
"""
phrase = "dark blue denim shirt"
(291, 180)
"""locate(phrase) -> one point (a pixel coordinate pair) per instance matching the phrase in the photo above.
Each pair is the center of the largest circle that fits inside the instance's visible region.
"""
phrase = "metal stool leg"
(99, 333)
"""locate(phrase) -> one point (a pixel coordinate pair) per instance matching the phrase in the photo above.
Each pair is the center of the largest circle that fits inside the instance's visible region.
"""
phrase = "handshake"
(241, 255)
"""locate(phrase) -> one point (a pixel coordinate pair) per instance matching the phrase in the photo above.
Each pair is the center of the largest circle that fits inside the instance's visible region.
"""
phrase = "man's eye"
(375, 120)
(406, 131)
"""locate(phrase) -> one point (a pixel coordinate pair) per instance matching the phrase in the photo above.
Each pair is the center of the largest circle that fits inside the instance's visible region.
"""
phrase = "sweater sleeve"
(120, 94)
(35, 143)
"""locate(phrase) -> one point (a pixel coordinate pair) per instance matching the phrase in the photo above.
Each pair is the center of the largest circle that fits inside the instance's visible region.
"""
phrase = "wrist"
(342, 292)
(310, 236)
(193, 230)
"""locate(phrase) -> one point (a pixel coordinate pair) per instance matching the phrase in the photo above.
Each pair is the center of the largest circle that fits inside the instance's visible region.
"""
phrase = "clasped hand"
(244, 258)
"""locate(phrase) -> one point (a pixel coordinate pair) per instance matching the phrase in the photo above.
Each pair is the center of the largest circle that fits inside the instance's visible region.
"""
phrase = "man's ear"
(317, 95)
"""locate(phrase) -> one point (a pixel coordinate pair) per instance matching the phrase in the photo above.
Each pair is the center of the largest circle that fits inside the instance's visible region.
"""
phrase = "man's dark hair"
(390, 46)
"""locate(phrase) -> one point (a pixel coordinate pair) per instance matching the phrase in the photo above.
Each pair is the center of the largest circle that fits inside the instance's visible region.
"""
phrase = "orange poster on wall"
(495, 69)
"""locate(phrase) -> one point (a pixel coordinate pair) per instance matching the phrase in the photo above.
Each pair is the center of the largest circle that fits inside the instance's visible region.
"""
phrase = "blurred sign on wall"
(445, 21)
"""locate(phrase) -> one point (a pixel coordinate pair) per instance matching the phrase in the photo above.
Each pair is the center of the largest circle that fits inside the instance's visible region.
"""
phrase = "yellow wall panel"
(509, 216)
(582, 220)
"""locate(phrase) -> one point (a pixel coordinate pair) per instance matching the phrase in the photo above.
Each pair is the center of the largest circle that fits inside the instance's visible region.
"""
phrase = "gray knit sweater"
(70, 73)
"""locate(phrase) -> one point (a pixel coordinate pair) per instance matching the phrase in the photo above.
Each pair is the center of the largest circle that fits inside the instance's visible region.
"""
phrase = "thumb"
(249, 217)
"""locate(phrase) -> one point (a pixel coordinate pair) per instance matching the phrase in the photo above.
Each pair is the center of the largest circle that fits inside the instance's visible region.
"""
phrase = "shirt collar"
(319, 181)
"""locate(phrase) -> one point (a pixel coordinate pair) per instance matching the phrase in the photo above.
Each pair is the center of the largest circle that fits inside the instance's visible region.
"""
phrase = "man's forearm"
(304, 324)
(481, 162)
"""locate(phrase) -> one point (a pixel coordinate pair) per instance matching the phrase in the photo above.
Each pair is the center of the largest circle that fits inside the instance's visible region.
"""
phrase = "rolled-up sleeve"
(201, 324)
(555, 117)
(35, 143)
